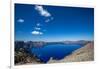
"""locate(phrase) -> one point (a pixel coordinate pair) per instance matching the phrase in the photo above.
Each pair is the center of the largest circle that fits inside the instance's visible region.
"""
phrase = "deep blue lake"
(56, 51)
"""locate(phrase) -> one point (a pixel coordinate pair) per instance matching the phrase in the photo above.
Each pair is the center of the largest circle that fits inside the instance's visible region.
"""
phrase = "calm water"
(56, 51)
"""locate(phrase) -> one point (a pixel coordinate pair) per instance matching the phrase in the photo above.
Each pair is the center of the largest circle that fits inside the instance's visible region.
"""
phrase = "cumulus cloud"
(20, 20)
(37, 33)
(37, 28)
(48, 17)
(42, 11)
(38, 24)
(47, 20)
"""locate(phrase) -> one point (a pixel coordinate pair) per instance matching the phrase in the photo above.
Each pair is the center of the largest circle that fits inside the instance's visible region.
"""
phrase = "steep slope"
(86, 53)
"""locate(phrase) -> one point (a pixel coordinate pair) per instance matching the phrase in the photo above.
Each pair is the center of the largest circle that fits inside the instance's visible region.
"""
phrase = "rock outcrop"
(85, 53)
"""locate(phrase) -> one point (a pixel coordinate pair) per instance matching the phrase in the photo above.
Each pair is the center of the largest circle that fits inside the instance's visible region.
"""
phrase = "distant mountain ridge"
(42, 43)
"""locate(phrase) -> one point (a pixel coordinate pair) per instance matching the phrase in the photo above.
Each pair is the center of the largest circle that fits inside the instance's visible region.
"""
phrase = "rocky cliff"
(85, 53)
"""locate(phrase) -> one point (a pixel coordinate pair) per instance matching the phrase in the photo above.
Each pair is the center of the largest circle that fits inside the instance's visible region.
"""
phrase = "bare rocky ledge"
(85, 53)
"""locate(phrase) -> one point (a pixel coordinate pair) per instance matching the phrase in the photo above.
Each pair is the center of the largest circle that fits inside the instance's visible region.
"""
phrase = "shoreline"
(85, 53)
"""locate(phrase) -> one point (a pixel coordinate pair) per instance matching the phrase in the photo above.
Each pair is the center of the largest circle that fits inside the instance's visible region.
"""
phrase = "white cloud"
(37, 33)
(42, 11)
(47, 20)
(38, 24)
(20, 20)
(37, 28)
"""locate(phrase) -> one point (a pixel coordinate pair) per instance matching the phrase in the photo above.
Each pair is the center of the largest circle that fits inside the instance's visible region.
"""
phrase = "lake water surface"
(56, 51)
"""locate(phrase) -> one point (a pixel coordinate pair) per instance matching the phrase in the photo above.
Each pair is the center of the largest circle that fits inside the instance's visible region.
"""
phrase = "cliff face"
(86, 53)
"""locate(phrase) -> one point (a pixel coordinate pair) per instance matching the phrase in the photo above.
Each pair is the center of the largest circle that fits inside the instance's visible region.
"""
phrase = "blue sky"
(53, 23)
